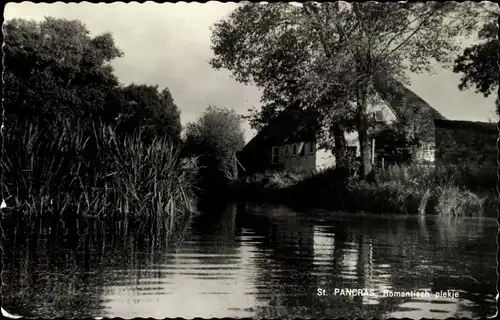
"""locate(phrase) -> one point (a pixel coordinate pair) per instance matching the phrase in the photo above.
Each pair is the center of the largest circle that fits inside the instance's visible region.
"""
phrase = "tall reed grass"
(84, 169)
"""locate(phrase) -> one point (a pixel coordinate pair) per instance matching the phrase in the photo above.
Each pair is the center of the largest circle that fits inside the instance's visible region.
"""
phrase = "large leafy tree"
(54, 67)
(332, 54)
(478, 64)
(148, 108)
(215, 138)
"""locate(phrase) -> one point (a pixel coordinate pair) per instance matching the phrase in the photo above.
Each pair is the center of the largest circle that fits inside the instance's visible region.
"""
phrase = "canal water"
(243, 260)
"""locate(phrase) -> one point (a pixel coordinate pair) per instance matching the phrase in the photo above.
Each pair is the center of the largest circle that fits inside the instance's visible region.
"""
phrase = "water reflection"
(243, 260)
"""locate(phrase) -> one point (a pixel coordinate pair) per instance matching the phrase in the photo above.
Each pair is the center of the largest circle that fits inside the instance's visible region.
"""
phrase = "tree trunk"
(364, 143)
(340, 146)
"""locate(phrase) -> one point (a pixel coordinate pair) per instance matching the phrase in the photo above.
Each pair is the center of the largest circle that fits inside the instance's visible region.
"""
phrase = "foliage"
(327, 55)
(258, 119)
(215, 138)
(50, 171)
(277, 179)
(428, 176)
(453, 201)
(145, 107)
(478, 64)
(394, 144)
(55, 67)
(406, 189)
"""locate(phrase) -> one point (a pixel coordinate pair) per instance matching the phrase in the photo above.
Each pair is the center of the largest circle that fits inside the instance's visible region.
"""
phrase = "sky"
(169, 45)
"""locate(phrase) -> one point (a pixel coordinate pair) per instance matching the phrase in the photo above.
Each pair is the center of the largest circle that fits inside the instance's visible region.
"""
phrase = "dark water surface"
(252, 261)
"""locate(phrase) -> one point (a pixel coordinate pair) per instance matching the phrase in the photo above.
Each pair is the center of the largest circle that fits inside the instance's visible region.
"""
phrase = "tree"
(54, 67)
(148, 108)
(215, 138)
(478, 63)
(336, 51)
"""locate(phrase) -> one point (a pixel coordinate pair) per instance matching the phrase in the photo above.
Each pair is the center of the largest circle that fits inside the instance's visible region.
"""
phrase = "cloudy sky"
(169, 45)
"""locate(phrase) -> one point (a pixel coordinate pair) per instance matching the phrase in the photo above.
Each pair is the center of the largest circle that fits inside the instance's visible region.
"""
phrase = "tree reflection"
(212, 234)
(274, 254)
(399, 254)
(55, 269)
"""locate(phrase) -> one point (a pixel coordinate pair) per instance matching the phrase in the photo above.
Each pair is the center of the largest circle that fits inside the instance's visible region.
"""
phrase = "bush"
(215, 138)
(453, 201)
(410, 189)
(467, 177)
(394, 145)
(414, 176)
(443, 190)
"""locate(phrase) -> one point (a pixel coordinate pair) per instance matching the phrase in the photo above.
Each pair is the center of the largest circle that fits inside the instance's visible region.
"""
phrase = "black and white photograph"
(250, 160)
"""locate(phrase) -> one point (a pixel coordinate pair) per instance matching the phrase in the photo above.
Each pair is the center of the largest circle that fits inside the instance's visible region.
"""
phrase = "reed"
(75, 168)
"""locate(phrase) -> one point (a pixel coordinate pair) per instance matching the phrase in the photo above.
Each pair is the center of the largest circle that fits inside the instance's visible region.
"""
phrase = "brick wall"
(467, 143)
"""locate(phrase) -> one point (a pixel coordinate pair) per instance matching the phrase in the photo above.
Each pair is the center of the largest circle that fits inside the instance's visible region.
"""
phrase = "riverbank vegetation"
(77, 143)
(404, 189)
(77, 169)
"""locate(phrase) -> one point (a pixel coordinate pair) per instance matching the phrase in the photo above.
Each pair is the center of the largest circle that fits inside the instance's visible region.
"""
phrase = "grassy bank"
(84, 169)
(411, 189)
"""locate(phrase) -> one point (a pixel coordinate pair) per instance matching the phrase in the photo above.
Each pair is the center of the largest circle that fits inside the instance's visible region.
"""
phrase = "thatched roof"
(294, 124)
(406, 104)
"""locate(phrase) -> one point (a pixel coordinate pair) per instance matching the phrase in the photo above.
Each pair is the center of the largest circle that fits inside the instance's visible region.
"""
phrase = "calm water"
(250, 261)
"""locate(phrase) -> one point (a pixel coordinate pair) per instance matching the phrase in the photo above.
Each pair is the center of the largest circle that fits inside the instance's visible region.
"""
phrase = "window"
(287, 151)
(379, 116)
(429, 152)
(311, 147)
(276, 155)
(294, 152)
(302, 149)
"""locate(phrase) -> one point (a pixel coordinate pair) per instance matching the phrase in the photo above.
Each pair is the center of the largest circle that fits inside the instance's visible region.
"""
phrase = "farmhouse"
(287, 142)
(402, 104)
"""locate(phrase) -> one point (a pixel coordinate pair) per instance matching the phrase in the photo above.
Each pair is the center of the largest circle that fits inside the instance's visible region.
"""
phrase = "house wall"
(389, 115)
(260, 159)
(324, 159)
(255, 160)
(467, 143)
(305, 162)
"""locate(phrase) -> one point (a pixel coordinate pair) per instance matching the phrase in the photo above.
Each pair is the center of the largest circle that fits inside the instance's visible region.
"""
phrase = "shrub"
(414, 176)
(394, 144)
(215, 138)
(404, 189)
(453, 201)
